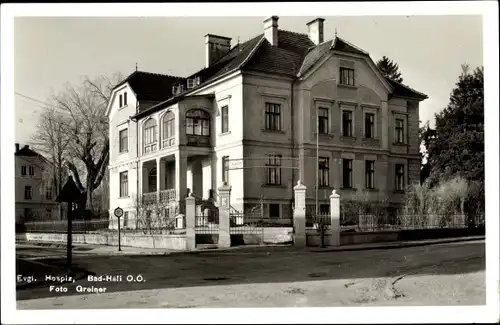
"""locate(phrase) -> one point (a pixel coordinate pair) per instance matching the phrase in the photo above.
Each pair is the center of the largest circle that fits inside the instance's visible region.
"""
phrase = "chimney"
(17, 147)
(215, 48)
(315, 30)
(271, 30)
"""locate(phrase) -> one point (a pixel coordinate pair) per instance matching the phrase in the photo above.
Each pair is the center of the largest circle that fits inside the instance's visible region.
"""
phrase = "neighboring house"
(35, 197)
(258, 100)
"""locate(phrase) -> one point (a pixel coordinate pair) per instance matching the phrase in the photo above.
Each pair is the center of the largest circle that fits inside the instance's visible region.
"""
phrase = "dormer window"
(347, 77)
(193, 82)
(177, 89)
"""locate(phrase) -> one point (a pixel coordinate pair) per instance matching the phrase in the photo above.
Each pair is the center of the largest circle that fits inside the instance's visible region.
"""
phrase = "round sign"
(118, 212)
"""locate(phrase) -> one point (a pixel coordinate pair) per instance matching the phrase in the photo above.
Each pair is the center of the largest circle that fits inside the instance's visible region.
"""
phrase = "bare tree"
(84, 127)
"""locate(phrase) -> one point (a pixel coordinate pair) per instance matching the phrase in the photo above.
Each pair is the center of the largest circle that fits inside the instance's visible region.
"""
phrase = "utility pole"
(317, 160)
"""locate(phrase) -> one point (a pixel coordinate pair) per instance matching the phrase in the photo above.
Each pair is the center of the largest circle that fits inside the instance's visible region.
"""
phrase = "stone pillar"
(180, 175)
(224, 207)
(197, 171)
(299, 216)
(213, 171)
(190, 223)
(163, 178)
(335, 219)
(158, 178)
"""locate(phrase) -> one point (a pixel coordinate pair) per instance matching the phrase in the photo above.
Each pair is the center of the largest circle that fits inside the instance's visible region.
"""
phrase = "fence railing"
(140, 225)
(373, 223)
(316, 223)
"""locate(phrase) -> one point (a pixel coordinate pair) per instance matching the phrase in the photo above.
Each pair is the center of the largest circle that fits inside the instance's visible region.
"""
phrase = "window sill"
(124, 197)
(324, 135)
(347, 86)
(400, 144)
(370, 139)
(353, 189)
(351, 138)
(273, 186)
(273, 131)
(371, 189)
(329, 188)
(123, 152)
(119, 108)
(224, 133)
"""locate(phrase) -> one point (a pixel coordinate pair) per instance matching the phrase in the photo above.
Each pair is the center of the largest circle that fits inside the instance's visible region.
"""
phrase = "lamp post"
(119, 214)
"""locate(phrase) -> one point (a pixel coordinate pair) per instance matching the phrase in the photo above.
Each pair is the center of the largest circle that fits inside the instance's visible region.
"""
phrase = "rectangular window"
(121, 100)
(399, 130)
(23, 170)
(273, 117)
(324, 172)
(323, 120)
(48, 193)
(32, 170)
(347, 173)
(124, 184)
(347, 76)
(225, 169)
(274, 211)
(225, 119)
(369, 125)
(274, 170)
(124, 140)
(400, 177)
(370, 174)
(125, 99)
(28, 193)
(347, 123)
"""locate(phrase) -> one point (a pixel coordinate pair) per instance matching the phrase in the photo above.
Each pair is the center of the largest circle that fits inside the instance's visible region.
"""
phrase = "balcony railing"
(198, 140)
(168, 143)
(165, 196)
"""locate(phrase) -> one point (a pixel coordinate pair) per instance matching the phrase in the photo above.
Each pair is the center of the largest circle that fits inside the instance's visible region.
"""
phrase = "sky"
(49, 52)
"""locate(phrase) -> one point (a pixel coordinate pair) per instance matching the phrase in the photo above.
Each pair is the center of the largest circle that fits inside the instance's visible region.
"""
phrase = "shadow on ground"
(269, 265)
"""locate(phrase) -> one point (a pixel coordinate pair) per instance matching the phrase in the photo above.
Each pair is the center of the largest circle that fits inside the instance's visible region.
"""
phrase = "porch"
(172, 177)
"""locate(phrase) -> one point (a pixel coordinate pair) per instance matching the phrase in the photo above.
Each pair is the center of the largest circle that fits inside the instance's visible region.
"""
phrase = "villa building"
(256, 116)
(35, 197)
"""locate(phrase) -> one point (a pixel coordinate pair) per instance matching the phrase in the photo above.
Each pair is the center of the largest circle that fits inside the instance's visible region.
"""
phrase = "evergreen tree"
(390, 69)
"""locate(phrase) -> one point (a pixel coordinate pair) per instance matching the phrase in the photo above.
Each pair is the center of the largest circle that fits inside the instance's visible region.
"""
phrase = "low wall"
(173, 242)
(353, 238)
(269, 235)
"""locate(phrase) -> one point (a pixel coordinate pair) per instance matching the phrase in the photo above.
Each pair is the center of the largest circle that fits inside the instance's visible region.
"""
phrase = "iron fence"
(383, 222)
(144, 225)
(318, 223)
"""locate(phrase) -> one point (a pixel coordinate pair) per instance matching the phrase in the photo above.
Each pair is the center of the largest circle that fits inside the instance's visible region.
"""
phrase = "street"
(443, 274)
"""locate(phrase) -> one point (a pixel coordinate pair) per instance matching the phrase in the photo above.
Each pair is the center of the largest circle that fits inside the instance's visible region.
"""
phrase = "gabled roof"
(151, 86)
(26, 151)
(342, 45)
(285, 59)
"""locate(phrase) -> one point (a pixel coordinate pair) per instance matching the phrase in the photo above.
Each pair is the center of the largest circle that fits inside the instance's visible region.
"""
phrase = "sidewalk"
(87, 249)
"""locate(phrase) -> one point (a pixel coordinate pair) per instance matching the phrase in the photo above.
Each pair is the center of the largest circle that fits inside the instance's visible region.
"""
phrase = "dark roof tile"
(151, 86)
(406, 91)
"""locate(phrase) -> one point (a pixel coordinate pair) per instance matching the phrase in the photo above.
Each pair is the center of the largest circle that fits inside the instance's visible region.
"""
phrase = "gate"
(247, 227)
(206, 224)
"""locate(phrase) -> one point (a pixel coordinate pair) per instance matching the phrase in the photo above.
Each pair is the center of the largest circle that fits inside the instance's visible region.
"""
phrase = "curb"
(397, 245)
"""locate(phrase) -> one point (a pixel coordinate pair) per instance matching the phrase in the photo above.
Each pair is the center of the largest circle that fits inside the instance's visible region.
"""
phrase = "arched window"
(168, 130)
(149, 136)
(197, 122)
(152, 180)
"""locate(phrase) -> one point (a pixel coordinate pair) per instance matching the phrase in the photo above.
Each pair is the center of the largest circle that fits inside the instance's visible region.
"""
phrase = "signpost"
(119, 214)
(70, 194)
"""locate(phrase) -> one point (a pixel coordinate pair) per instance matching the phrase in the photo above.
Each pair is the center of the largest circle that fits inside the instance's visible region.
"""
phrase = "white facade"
(196, 162)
